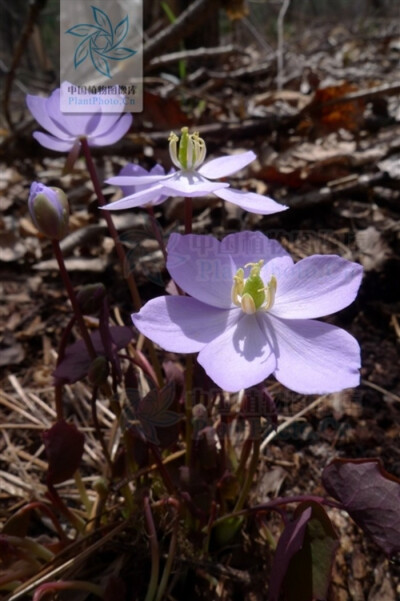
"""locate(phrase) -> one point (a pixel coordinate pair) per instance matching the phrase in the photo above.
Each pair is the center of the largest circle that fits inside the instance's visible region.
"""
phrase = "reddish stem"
(110, 224)
(188, 215)
(73, 299)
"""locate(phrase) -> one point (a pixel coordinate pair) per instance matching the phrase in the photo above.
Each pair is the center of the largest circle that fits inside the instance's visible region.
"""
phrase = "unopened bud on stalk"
(49, 210)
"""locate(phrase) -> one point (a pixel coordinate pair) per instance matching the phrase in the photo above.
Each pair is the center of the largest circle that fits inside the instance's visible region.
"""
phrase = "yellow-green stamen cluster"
(188, 151)
(251, 294)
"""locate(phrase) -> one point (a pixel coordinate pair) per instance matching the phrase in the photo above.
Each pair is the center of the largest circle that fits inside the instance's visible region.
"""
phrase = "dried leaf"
(94, 265)
(11, 351)
(391, 166)
(374, 250)
(330, 116)
(163, 113)
(11, 247)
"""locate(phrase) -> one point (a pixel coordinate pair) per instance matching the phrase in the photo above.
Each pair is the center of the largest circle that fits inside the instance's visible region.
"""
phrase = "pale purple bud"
(49, 210)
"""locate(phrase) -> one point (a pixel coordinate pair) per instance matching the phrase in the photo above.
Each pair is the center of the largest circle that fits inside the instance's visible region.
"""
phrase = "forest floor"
(328, 145)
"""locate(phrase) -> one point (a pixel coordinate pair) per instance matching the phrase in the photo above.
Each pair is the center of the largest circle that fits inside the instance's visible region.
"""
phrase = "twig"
(192, 18)
(155, 552)
(33, 14)
(48, 572)
(279, 25)
(198, 53)
(389, 89)
(290, 421)
(330, 193)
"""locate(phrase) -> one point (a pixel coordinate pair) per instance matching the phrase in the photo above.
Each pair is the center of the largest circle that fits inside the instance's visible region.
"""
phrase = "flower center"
(251, 294)
(188, 151)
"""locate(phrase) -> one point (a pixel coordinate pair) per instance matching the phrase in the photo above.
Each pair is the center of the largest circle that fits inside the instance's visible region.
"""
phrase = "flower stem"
(162, 469)
(276, 504)
(59, 387)
(133, 289)
(72, 296)
(156, 231)
(49, 513)
(249, 476)
(97, 428)
(28, 545)
(137, 303)
(55, 498)
(58, 396)
(188, 215)
(67, 586)
(155, 553)
(170, 558)
(189, 406)
(86, 502)
(243, 458)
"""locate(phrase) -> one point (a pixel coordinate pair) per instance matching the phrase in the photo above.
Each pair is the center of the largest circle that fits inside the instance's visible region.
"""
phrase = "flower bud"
(49, 210)
(90, 298)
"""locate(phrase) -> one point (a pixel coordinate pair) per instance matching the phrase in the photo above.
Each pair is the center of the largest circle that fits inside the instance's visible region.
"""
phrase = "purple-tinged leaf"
(64, 449)
(290, 542)
(370, 495)
(309, 572)
(153, 414)
(135, 448)
(76, 361)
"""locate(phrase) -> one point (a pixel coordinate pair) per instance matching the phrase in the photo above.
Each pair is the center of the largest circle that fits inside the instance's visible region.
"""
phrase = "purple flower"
(250, 310)
(194, 179)
(49, 210)
(65, 129)
(134, 171)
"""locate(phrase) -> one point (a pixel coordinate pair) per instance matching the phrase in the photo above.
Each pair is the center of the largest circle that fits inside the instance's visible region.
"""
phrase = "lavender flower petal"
(65, 129)
(313, 357)
(137, 180)
(248, 247)
(117, 132)
(316, 286)
(197, 266)
(240, 357)
(189, 185)
(249, 201)
(181, 324)
(52, 143)
(138, 199)
(38, 108)
(224, 166)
